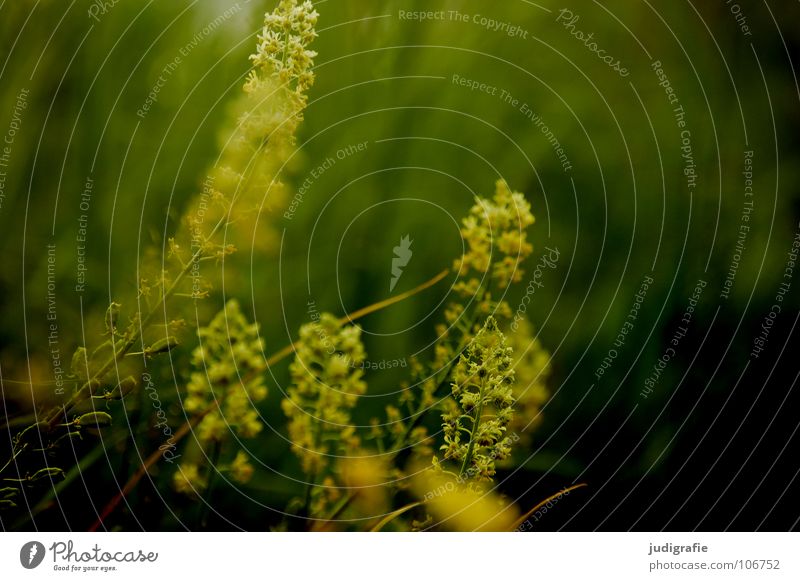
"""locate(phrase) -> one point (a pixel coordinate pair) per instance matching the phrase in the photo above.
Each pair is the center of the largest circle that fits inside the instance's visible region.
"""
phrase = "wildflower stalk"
(275, 358)
(290, 74)
(482, 394)
(417, 416)
(134, 333)
(495, 235)
(476, 422)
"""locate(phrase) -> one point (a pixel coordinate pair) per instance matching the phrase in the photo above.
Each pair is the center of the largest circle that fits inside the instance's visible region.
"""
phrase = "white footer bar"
(389, 556)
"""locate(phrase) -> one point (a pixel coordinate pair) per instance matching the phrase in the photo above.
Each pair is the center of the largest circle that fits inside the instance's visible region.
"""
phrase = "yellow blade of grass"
(393, 515)
(363, 312)
(528, 514)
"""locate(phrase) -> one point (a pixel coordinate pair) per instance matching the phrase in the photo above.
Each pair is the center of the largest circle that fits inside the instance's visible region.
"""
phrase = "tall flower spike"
(496, 237)
(476, 419)
(229, 363)
(282, 52)
(245, 179)
(327, 380)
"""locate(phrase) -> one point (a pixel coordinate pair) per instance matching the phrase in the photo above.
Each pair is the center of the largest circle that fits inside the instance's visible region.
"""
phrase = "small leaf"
(94, 386)
(46, 473)
(9, 492)
(80, 363)
(122, 389)
(93, 420)
(162, 346)
(30, 435)
(112, 314)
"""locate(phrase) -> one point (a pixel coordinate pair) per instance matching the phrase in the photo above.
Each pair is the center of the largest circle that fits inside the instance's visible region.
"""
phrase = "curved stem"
(54, 417)
(363, 312)
(393, 515)
(521, 520)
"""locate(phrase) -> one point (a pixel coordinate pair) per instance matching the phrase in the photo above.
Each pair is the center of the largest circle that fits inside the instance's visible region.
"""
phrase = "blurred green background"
(718, 418)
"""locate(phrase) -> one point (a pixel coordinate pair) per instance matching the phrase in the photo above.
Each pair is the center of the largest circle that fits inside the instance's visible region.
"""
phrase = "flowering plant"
(452, 430)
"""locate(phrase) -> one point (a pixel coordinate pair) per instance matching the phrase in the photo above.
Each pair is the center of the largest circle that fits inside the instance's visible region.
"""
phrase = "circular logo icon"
(31, 554)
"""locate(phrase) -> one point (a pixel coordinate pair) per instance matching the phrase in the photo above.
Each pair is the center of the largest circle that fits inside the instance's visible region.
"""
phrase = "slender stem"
(52, 420)
(417, 416)
(363, 312)
(521, 520)
(273, 359)
(14, 457)
(396, 299)
(312, 477)
(216, 448)
(474, 433)
(393, 515)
